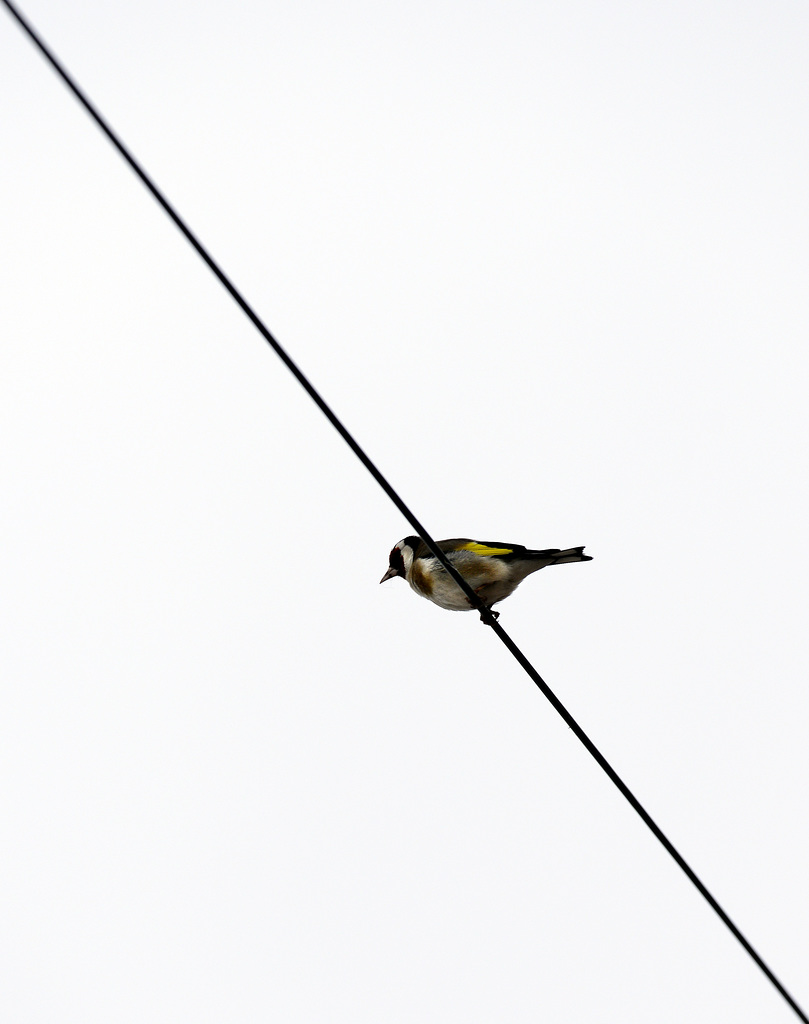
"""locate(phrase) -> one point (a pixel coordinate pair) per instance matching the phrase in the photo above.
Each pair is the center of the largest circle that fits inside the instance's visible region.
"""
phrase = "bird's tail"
(554, 556)
(572, 555)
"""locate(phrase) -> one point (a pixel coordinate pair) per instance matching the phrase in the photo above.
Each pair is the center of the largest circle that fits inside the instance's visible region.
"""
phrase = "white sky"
(549, 262)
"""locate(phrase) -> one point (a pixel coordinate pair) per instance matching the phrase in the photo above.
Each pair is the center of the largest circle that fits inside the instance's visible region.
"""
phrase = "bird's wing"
(484, 548)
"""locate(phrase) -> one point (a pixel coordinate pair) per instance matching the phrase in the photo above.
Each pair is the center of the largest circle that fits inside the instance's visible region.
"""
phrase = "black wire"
(485, 612)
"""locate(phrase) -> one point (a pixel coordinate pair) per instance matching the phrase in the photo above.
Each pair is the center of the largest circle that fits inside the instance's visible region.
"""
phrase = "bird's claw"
(495, 615)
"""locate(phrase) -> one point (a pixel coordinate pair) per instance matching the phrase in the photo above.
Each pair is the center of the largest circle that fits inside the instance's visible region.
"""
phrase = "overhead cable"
(475, 601)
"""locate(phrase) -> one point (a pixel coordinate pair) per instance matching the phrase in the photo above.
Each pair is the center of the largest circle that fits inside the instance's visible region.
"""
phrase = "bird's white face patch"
(407, 554)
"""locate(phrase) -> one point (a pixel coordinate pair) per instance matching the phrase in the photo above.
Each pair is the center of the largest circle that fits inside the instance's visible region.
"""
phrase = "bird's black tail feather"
(554, 556)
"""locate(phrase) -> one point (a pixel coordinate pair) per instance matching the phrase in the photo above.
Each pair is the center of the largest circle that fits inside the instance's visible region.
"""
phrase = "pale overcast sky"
(549, 262)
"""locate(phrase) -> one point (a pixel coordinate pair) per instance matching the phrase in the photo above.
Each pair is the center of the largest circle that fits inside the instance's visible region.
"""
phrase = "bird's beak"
(389, 575)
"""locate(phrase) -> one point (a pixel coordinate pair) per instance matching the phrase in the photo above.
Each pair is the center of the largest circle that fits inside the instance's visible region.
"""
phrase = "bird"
(493, 570)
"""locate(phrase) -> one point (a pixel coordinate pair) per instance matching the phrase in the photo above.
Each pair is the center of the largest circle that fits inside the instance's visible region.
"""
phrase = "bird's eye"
(396, 561)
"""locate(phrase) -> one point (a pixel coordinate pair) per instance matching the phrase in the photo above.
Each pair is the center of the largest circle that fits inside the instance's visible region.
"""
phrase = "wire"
(485, 612)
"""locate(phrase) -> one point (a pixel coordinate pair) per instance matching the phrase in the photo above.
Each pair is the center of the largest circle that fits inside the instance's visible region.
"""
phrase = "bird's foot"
(495, 615)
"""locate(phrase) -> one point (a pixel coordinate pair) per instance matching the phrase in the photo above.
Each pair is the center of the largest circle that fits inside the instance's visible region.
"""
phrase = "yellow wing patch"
(484, 549)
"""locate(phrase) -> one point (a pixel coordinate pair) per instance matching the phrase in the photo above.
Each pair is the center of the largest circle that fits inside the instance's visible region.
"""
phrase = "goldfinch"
(492, 570)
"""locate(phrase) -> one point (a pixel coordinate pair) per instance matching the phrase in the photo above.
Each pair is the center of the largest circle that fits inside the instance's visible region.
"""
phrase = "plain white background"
(549, 262)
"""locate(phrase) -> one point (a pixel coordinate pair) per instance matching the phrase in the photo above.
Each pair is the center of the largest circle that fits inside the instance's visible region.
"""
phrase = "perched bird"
(492, 570)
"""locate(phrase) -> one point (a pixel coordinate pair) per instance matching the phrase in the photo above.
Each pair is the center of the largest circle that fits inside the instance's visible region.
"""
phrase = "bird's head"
(401, 558)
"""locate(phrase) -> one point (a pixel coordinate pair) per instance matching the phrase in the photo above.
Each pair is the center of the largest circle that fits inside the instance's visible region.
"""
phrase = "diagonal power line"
(313, 393)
